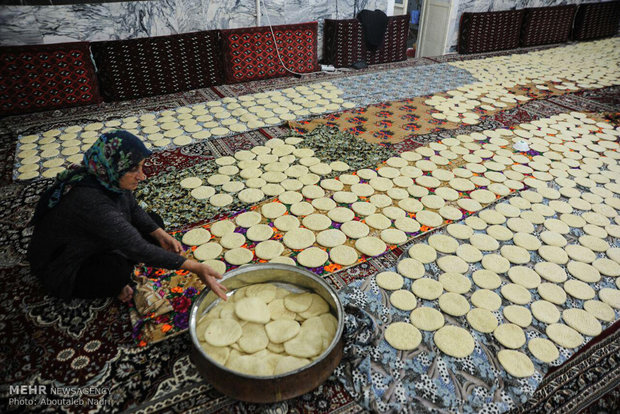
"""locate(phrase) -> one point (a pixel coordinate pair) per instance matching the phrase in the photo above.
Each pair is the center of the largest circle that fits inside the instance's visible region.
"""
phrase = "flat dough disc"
(248, 219)
(355, 229)
(582, 321)
(451, 263)
(316, 222)
(269, 249)
(259, 232)
(454, 282)
(217, 265)
(290, 197)
(486, 299)
(519, 315)
(377, 221)
(443, 243)
(273, 210)
(579, 290)
(411, 268)
(191, 182)
(427, 319)
(482, 320)
(516, 363)
(460, 231)
(469, 253)
(220, 228)
(312, 257)
(427, 288)
(407, 225)
(552, 293)
(238, 256)
(202, 192)
(600, 310)
(208, 251)
(298, 239)
(564, 336)
(403, 299)
(222, 332)
(454, 341)
(251, 195)
(220, 200)
(516, 294)
(423, 253)
(543, 349)
(510, 335)
(196, 237)
(232, 240)
(389, 280)
(515, 254)
(341, 214)
(524, 276)
(403, 336)
(370, 246)
(429, 218)
(486, 279)
(607, 267)
(453, 304)
(331, 238)
(545, 311)
(393, 236)
(551, 272)
(343, 255)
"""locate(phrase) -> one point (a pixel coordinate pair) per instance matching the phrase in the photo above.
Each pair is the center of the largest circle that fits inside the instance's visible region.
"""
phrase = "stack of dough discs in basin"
(265, 329)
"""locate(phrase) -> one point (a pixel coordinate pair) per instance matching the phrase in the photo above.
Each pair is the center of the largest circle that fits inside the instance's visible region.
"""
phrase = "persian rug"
(49, 338)
(45, 77)
(251, 54)
(393, 122)
(154, 377)
(137, 68)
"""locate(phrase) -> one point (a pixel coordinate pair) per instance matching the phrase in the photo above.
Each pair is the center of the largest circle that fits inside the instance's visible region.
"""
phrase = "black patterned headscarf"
(107, 160)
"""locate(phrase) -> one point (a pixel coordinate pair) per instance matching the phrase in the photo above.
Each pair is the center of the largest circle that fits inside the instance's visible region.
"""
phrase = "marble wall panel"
(22, 25)
(19, 21)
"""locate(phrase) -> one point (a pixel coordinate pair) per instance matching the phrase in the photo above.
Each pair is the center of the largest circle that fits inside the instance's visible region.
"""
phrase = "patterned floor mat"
(79, 344)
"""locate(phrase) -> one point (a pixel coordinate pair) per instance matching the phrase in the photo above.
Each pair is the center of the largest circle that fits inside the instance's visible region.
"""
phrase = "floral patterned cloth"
(425, 379)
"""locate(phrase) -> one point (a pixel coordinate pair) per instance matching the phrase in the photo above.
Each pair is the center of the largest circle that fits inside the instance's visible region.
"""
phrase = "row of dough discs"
(562, 278)
(264, 171)
(48, 153)
(410, 198)
(570, 68)
(459, 104)
(386, 214)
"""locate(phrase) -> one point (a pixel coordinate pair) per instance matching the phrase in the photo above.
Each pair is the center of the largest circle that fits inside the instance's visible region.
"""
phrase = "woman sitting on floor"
(89, 231)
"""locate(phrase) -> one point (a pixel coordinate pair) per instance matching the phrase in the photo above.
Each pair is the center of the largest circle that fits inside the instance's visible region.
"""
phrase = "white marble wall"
(23, 25)
(461, 6)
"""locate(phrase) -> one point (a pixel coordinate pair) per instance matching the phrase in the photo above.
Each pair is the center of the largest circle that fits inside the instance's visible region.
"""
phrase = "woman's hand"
(167, 242)
(207, 275)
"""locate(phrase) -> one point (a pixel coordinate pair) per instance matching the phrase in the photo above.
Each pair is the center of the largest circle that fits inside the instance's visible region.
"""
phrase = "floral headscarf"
(107, 160)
